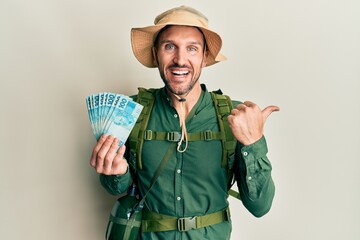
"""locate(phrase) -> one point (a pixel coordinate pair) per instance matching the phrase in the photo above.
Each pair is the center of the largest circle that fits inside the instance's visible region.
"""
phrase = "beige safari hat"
(142, 39)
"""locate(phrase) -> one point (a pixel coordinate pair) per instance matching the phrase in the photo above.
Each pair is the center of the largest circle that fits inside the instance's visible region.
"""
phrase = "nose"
(180, 57)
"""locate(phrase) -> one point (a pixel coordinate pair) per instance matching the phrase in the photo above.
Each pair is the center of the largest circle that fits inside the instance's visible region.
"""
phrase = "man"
(193, 183)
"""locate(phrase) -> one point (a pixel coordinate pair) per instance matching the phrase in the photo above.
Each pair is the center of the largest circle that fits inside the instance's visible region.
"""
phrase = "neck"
(187, 101)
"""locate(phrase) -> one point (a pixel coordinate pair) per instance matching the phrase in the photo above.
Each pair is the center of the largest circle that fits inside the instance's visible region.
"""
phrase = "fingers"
(247, 104)
(96, 149)
(247, 121)
(250, 105)
(106, 158)
(105, 163)
(120, 165)
(268, 110)
(121, 150)
(105, 151)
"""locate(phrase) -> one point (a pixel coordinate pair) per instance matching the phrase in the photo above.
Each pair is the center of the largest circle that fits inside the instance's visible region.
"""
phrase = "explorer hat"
(142, 39)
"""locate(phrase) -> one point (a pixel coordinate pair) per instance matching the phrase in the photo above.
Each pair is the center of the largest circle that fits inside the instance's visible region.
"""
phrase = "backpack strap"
(136, 138)
(176, 136)
(223, 106)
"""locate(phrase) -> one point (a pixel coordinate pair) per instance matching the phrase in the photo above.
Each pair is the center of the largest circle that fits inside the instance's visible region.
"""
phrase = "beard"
(180, 91)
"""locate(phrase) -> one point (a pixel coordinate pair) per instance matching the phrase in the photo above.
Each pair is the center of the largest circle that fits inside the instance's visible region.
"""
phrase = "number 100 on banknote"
(112, 114)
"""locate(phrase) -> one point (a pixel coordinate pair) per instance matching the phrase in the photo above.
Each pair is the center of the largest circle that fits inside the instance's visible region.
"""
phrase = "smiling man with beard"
(181, 50)
(194, 183)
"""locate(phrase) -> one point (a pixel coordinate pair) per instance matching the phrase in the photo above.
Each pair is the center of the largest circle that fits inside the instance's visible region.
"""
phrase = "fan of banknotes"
(112, 114)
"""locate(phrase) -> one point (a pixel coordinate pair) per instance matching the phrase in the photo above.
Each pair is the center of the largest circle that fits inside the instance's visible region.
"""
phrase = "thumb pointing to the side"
(268, 110)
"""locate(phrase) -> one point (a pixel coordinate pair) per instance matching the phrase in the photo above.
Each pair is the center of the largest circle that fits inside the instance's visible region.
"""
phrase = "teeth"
(180, 72)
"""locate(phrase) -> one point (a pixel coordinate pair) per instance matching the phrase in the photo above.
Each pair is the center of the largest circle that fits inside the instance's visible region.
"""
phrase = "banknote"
(112, 114)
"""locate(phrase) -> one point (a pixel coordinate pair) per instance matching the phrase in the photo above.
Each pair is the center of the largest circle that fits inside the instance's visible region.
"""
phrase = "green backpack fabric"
(223, 106)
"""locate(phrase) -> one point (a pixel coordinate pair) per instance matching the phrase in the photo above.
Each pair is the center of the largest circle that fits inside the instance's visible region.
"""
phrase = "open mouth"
(180, 73)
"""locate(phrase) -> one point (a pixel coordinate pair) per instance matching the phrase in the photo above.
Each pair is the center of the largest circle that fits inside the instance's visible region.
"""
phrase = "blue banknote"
(112, 114)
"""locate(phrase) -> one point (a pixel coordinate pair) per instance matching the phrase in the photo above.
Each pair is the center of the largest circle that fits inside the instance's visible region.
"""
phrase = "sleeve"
(116, 184)
(253, 176)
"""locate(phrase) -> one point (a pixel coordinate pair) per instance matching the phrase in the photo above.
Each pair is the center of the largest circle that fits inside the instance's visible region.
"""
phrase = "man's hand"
(104, 158)
(247, 121)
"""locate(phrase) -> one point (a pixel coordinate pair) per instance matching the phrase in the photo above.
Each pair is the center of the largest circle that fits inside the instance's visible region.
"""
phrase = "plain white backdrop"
(301, 55)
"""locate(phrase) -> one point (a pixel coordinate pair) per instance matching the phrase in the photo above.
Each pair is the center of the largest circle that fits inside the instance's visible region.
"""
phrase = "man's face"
(181, 56)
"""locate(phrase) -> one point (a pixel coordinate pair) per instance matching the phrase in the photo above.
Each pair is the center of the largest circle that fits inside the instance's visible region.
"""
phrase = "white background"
(301, 55)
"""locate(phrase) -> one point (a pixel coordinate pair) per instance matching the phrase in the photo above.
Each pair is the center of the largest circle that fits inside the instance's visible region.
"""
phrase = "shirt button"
(178, 171)
(249, 178)
(175, 115)
(178, 198)
(245, 153)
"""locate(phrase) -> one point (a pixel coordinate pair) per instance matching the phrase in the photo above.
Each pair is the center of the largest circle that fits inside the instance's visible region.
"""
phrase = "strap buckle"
(186, 224)
(148, 134)
(173, 136)
(208, 135)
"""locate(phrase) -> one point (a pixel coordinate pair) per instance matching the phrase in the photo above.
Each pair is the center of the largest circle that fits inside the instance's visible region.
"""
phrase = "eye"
(169, 47)
(192, 49)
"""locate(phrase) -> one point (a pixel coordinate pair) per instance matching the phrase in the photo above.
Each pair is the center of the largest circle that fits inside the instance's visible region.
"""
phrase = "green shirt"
(193, 183)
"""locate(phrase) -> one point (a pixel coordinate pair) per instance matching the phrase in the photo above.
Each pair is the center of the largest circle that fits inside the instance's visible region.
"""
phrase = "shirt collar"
(164, 94)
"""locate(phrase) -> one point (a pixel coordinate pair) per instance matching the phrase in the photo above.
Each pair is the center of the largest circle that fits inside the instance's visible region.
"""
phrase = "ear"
(205, 56)
(154, 55)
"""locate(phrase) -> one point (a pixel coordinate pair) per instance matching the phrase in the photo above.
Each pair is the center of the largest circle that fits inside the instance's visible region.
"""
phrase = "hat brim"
(142, 41)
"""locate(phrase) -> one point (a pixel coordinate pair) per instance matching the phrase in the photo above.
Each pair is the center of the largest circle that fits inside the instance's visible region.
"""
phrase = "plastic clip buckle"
(186, 224)
(173, 136)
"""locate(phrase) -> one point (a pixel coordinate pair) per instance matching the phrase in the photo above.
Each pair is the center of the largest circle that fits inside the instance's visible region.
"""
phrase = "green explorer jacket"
(193, 183)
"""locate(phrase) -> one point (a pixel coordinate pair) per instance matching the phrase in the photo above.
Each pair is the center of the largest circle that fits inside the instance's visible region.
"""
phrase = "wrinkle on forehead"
(166, 28)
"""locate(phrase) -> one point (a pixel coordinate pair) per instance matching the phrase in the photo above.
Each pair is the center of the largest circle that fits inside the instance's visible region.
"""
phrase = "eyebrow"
(190, 42)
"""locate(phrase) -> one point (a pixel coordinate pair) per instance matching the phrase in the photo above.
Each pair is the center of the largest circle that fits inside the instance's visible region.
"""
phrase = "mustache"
(178, 66)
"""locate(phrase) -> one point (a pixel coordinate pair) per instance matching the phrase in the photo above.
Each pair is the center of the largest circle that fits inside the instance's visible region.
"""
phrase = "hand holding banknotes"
(106, 159)
(112, 117)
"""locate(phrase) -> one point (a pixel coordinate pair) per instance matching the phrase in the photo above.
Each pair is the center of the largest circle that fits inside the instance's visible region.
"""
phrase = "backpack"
(223, 106)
